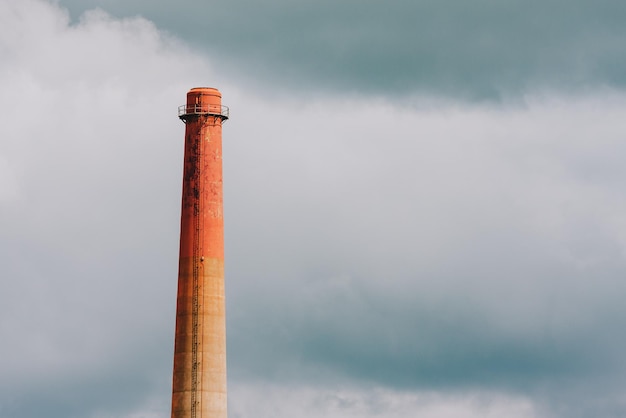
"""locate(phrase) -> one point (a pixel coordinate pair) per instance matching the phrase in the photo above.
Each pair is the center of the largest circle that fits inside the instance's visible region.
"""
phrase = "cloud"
(458, 249)
(477, 50)
(278, 402)
(88, 131)
(382, 259)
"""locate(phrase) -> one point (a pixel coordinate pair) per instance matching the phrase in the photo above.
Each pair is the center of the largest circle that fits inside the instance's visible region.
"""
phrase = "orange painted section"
(203, 152)
(199, 378)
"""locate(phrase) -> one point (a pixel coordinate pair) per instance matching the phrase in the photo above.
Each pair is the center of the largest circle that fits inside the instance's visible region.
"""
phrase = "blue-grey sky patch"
(473, 50)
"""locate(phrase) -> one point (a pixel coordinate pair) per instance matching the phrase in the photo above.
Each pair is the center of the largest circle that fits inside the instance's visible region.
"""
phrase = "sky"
(425, 205)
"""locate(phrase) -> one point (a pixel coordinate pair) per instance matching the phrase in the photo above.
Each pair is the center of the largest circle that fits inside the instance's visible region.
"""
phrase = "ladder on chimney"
(197, 270)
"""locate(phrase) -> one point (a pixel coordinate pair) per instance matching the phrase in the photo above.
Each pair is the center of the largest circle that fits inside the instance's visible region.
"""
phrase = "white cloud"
(91, 159)
(271, 401)
(474, 246)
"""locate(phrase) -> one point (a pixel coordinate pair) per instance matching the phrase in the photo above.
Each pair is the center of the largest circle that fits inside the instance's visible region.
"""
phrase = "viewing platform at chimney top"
(189, 111)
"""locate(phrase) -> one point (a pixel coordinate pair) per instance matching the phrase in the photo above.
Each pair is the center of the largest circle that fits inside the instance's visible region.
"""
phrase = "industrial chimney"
(199, 379)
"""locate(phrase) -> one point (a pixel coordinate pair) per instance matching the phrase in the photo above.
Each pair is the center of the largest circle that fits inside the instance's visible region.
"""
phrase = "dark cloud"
(473, 50)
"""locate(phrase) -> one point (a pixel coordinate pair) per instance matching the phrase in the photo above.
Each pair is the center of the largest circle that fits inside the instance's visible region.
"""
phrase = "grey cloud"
(341, 402)
(472, 50)
(455, 250)
(86, 296)
(429, 251)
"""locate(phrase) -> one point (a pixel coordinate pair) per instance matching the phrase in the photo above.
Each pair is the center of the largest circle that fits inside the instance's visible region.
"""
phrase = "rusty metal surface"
(199, 378)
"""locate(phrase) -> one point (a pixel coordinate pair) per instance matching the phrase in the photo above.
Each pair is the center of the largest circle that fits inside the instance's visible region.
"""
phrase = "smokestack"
(199, 381)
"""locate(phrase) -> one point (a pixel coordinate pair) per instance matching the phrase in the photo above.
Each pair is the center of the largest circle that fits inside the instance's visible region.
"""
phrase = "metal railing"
(211, 110)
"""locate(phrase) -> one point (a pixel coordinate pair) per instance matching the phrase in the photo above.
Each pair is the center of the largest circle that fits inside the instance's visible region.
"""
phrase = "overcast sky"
(425, 205)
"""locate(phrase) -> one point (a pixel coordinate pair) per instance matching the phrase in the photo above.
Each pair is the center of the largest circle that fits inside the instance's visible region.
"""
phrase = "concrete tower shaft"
(199, 378)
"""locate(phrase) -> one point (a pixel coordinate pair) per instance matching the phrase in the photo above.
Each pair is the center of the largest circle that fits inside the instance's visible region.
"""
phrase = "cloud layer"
(88, 128)
(458, 250)
(381, 259)
(479, 50)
